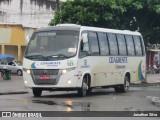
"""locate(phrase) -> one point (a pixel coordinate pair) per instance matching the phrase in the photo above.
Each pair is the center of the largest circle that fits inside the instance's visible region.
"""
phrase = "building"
(33, 12)
(19, 19)
(13, 39)
(153, 54)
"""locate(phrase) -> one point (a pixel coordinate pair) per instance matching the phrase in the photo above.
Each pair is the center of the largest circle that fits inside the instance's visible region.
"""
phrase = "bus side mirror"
(84, 46)
(81, 45)
(84, 38)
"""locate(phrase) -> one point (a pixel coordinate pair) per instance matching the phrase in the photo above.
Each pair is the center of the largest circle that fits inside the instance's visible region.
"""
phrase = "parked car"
(14, 66)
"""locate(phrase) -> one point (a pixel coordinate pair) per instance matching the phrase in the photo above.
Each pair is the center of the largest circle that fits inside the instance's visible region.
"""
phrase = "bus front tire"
(19, 72)
(83, 90)
(37, 92)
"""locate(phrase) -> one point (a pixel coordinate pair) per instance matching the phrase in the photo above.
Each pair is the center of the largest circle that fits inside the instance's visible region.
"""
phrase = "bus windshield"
(48, 45)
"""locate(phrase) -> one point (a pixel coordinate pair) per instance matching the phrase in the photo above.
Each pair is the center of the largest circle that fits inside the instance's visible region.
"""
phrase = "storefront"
(153, 54)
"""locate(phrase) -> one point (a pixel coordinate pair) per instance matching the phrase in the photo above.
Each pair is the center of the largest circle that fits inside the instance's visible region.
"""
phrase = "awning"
(155, 50)
(6, 58)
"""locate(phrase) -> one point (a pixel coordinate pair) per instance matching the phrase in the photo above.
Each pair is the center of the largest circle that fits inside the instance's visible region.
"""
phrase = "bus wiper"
(35, 57)
(57, 55)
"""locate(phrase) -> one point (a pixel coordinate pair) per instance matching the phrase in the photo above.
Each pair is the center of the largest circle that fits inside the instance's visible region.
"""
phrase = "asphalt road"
(137, 99)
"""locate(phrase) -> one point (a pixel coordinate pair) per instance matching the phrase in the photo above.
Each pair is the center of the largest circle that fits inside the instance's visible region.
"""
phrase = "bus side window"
(84, 46)
(84, 43)
(121, 44)
(130, 45)
(112, 44)
(93, 43)
(103, 44)
(138, 45)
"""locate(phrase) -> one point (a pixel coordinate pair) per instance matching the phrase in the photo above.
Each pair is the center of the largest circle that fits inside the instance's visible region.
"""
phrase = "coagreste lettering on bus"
(117, 59)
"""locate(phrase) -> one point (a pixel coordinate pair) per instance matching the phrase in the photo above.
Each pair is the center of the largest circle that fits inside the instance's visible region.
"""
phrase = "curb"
(156, 101)
(13, 92)
(145, 84)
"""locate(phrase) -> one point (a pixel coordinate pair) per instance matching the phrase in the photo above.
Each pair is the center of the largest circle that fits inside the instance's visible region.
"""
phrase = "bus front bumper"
(66, 81)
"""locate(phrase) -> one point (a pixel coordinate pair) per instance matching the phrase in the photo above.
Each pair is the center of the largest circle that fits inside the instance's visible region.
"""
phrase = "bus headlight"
(69, 81)
(64, 71)
(67, 70)
(27, 70)
(25, 82)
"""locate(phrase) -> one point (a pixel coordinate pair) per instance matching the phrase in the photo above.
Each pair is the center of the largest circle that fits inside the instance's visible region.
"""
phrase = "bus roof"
(59, 27)
(76, 27)
(110, 30)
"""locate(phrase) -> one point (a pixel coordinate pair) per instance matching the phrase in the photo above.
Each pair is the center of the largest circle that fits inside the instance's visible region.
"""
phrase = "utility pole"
(57, 3)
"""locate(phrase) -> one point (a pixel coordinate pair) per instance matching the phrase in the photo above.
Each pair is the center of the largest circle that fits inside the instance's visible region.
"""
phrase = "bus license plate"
(44, 77)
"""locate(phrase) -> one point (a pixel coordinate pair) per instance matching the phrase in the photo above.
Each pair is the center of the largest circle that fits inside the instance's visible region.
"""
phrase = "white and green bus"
(73, 57)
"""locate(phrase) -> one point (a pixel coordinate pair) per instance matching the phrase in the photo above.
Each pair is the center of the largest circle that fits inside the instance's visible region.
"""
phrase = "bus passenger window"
(93, 43)
(103, 44)
(112, 44)
(130, 45)
(138, 45)
(121, 44)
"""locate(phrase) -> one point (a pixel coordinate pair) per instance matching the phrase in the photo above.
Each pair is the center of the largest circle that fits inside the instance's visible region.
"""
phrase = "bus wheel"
(19, 72)
(83, 90)
(37, 92)
(125, 86)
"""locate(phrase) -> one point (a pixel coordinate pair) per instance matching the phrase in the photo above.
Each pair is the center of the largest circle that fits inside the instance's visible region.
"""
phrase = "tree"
(142, 15)
(145, 16)
(100, 13)
(57, 4)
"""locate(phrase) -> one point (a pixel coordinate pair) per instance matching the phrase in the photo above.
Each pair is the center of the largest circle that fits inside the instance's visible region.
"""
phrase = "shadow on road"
(75, 95)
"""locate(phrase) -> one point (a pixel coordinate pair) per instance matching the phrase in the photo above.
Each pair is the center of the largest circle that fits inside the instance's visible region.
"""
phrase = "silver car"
(14, 66)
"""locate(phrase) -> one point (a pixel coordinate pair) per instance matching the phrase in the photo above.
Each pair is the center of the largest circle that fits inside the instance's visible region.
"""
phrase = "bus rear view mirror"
(84, 38)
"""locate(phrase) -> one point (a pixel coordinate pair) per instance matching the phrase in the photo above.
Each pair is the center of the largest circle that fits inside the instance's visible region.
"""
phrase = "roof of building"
(25, 25)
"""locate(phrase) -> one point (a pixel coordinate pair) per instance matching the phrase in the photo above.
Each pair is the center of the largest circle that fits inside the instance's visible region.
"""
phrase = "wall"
(33, 12)
(13, 39)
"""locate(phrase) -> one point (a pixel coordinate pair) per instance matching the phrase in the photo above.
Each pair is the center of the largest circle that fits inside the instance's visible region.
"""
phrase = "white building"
(31, 12)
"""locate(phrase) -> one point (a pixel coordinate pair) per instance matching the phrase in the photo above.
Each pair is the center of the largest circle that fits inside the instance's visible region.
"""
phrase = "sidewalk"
(13, 86)
(153, 78)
